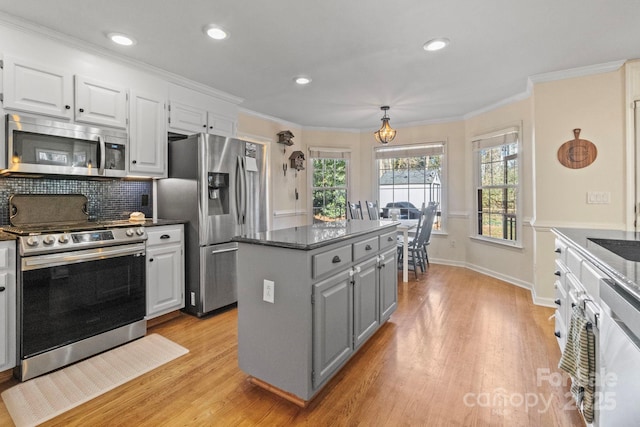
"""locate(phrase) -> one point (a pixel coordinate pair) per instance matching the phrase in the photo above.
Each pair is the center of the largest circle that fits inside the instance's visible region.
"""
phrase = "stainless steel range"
(81, 284)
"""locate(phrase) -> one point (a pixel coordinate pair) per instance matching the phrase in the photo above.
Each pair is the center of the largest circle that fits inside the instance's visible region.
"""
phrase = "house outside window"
(329, 183)
(410, 176)
(497, 186)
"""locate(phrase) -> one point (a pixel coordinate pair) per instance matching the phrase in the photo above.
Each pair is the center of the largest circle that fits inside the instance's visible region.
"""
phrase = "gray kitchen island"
(309, 297)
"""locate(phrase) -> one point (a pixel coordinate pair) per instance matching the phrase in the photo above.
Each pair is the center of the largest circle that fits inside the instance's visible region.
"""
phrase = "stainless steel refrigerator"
(219, 185)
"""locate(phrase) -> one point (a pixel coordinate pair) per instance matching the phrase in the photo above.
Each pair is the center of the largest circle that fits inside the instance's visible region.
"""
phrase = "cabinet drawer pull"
(336, 259)
(368, 248)
(558, 302)
(2, 288)
(558, 251)
(389, 239)
(150, 259)
(557, 273)
(165, 236)
(557, 333)
(573, 304)
(81, 110)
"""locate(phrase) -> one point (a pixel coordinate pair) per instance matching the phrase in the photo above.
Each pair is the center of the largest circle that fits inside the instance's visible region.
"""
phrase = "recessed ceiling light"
(121, 39)
(302, 80)
(215, 32)
(435, 44)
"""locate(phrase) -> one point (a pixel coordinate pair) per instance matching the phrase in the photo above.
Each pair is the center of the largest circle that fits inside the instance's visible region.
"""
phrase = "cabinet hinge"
(313, 299)
(1, 63)
(1, 97)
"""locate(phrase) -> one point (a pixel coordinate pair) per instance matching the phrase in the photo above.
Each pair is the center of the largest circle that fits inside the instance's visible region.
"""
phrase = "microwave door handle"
(102, 154)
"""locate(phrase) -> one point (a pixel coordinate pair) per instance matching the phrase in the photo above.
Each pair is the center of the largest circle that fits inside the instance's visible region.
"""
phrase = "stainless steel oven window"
(67, 297)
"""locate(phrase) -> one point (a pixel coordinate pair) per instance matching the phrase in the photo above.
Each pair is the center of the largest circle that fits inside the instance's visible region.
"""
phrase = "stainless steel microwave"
(42, 146)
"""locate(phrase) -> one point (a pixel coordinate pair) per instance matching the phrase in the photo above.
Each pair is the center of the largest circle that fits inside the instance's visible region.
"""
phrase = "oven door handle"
(52, 260)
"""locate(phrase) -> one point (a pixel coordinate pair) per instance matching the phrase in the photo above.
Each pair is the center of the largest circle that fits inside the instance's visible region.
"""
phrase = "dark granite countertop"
(7, 236)
(315, 236)
(623, 271)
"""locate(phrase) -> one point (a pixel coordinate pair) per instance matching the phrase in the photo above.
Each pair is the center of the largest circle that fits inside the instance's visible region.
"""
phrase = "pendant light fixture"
(386, 134)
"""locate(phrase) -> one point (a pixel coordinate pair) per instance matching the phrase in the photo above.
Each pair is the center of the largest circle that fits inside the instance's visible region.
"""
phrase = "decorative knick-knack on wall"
(284, 137)
(297, 160)
(577, 153)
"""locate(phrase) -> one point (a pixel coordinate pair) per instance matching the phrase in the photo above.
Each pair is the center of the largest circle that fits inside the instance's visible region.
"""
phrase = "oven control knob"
(48, 240)
(129, 232)
(140, 231)
(32, 241)
(63, 238)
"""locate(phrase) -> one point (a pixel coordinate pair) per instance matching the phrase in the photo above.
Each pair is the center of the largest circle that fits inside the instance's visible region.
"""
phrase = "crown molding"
(577, 72)
(269, 118)
(21, 24)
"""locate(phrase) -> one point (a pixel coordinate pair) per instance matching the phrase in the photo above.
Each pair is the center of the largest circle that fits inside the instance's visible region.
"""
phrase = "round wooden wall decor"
(577, 153)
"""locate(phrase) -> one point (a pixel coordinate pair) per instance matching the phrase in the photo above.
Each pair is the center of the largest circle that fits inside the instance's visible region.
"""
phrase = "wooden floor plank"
(463, 349)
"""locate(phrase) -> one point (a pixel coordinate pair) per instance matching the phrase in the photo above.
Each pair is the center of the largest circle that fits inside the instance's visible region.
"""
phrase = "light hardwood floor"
(463, 349)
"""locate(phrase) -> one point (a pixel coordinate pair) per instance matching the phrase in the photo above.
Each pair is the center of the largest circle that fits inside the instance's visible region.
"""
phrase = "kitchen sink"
(627, 249)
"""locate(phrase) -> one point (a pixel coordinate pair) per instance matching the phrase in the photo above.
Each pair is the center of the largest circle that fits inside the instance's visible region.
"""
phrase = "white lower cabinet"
(165, 269)
(7, 304)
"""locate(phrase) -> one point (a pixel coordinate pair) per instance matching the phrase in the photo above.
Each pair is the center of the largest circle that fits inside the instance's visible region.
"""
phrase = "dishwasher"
(619, 357)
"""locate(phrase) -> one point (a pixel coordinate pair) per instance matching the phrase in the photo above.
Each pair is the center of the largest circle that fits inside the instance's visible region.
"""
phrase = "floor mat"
(35, 401)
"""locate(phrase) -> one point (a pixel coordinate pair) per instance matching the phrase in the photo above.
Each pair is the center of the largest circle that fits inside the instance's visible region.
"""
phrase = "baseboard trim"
(541, 301)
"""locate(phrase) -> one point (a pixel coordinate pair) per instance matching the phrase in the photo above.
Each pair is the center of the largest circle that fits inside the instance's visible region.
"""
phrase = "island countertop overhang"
(315, 236)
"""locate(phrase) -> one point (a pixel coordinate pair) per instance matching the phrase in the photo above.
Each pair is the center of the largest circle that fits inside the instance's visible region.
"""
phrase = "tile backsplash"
(107, 200)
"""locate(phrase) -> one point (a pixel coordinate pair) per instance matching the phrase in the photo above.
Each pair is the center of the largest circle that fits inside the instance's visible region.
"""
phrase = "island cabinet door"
(388, 284)
(332, 325)
(365, 300)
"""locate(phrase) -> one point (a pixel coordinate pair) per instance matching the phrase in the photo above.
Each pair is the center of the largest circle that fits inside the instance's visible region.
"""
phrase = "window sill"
(498, 242)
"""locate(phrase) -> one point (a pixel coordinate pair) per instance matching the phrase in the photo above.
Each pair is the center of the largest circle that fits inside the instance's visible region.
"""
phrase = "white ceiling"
(360, 54)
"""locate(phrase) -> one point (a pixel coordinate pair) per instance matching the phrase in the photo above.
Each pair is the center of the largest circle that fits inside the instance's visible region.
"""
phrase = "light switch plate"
(268, 291)
(598, 197)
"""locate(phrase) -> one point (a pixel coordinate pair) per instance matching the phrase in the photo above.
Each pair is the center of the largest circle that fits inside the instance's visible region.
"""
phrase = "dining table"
(404, 226)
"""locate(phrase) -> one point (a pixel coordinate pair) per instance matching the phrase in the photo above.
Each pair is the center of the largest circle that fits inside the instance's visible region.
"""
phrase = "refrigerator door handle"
(243, 191)
(238, 191)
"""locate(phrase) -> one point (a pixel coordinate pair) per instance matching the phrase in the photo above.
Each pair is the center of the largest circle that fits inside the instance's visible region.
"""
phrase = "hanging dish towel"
(579, 361)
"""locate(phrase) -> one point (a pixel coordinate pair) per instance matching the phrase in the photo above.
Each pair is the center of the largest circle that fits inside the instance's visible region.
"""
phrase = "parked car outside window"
(407, 210)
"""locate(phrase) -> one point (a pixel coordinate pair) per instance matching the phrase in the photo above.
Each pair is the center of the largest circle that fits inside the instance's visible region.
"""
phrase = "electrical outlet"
(193, 298)
(144, 200)
(268, 291)
(452, 243)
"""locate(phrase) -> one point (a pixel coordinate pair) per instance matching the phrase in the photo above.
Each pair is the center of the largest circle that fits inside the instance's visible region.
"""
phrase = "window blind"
(496, 139)
(416, 150)
(329, 153)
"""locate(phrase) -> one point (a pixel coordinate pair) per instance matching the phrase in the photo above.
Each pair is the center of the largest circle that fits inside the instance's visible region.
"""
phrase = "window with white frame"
(497, 185)
(409, 176)
(329, 183)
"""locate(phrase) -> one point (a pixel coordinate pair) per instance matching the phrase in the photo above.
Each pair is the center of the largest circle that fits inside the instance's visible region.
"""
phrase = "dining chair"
(354, 210)
(432, 210)
(414, 253)
(372, 209)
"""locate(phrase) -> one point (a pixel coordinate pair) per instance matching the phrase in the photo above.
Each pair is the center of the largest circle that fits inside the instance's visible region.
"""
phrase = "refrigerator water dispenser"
(218, 193)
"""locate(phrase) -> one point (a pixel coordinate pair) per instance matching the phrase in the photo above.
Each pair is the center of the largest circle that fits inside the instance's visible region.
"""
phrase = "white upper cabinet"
(221, 125)
(148, 136)
(192, 112)
(36, 88)
(100, 103)
(187, 118)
